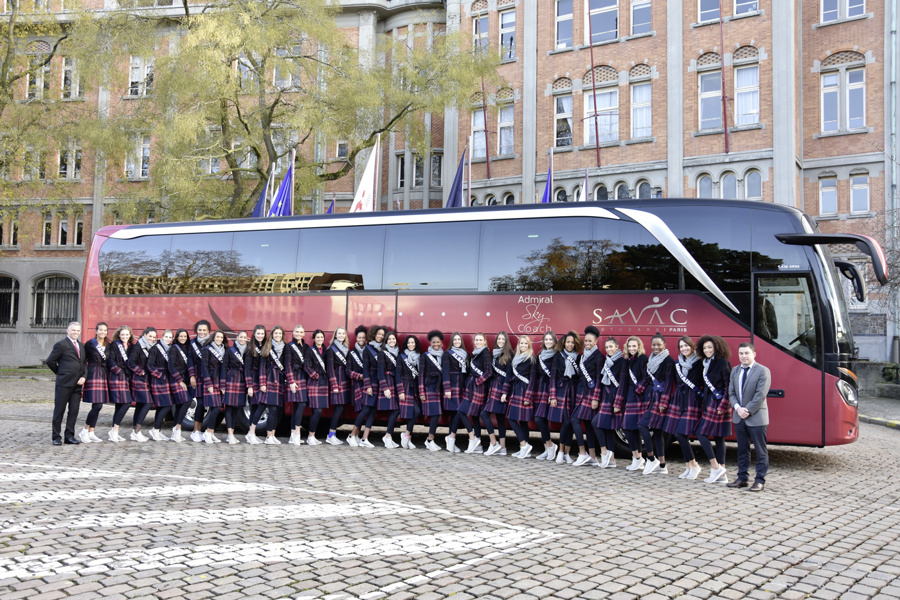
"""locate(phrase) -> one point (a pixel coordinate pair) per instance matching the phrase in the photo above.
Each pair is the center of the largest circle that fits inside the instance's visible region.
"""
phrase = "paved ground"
(161, 520)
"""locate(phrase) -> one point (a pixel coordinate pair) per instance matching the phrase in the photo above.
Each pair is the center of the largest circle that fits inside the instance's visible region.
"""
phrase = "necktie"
(77, 349)
(744, 377)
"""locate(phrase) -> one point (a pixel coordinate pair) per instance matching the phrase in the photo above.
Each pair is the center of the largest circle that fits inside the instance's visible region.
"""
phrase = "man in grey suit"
(747, 391)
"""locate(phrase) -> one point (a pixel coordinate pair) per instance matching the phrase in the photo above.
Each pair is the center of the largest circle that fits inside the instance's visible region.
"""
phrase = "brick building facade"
(809, 87)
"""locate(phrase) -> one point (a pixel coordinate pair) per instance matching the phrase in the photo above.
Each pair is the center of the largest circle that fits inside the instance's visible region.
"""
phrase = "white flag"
(364, 201)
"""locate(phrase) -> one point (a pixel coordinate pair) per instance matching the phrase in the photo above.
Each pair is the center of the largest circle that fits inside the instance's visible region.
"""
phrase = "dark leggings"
(453, 417)
(272, 416)
(93, 415)
(501, 424)
(463, 418)
(299, 409)
(313, 421)
(392, 420)
(544, 428)
(231, 413)
(654, 442)
(161, 413)
(410, 423)
(119, 415)
(180, 413)
(578, 428)
(634, 439)
(365, 418)
(521, 430)
(199, 412)
(565, 432)
(686, 451)
(337, 413)
(210, 421)
(432, 427)
(606, 437)
(140, 413)
(719, 454)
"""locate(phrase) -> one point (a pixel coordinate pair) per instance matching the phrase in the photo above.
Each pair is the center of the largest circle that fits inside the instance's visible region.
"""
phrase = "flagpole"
(552, 193)
(376, 201)
(469, 172)
(291, 169)
(594, 87)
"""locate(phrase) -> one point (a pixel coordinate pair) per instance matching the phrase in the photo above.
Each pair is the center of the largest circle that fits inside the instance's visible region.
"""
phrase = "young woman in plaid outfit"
(96, 385)
(179, 377)
(235, 383)
(431, 385)
(408, 388)
(213, 371)
(119, 378)
(684, 409)
(296, 393)
(494, 409)
(317, 384)
(160, 390)
(715, 421)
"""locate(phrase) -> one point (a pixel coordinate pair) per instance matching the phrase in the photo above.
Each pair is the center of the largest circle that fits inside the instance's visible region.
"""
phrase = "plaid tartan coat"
(606, 394)
(659, 388)
(519, 394)
(563, 391)
(431, 386)
(96, 384)
(454, 381)
(179, 372)
(712, 424)
(684, 409)
(631, 404)
(387, 380)
(588, 381)
(317, 385)
(338, 379)
(137, 364)
(481, 372)
(235, 380)
(358, 371)
(500, 373)
(295, 372)
(272, 376)
(546, 381)
(119, 374)
(158, 366)
(408, 383)
(213, 371)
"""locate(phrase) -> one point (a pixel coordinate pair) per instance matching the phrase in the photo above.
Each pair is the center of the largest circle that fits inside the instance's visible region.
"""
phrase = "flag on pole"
(281, 203)
(364, 201)
(330, 210)
(548, 190)
(454, 200)
(260, 209)
(584, 187)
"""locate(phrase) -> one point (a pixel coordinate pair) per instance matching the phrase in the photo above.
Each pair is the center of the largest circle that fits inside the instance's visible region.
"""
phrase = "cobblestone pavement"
(163, 520)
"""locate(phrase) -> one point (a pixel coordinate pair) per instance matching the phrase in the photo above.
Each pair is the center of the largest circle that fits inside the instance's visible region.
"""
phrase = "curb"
(880, 421)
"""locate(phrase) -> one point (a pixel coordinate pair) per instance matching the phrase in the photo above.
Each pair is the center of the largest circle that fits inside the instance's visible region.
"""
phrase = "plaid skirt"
(235, 388)
(712, 424)
(119, 388)
(392, 403)
(565, 403)
(341, 397)
(140, 391)
(456, 392)
(540, 398)
(518, 411)
(636, 405)
(684, 412)
(605, 417)
(358, 388)
(474, 398)
(493, 404)
(655, 416)
(159, 391)
(96, 385)
(317, 392)
(179, 395)
(274, 394)
(431, 403)
(408, 404)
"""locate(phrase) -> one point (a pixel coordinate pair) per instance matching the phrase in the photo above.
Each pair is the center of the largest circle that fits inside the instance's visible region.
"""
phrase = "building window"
(286, 74)
(604, 16)
(622, 192)
(561, 195)
(563, 121)
(34, 168)
(479, 136)
(70, 162)
(489, 200)
(79, 231)
(705, 187)
(137, 162)
(729, 186)
(640, 17)
(507, 34)
(753, 185)
(72, 83)
(140, 76)
(708, 10)
(640, 110)
(856, 8)
(47, 233)
(509, 198)
(342, 151)
(711, 100)
(13, 233)
(9, 301)
(505, 120)
(38, 78)
(401, 171)
(437, 169)
(829, 10)
(564, 36)
(856, 98)
(859, 193)
(55, 302)
(853, 115)
(607, 116)
(832, 9)
(63, 232)
(830, 96)
(418, 171)
(746, 93)
(601, 193)
(480, 33)
(828, 196)
(745, 6)
(644, 190)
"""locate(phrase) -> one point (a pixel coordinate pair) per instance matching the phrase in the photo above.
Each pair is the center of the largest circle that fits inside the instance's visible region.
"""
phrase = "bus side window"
(337, 259)
(786, 316)
(431, 256)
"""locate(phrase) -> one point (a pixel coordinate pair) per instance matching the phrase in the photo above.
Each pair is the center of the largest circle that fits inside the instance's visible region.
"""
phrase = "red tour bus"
(741, 270)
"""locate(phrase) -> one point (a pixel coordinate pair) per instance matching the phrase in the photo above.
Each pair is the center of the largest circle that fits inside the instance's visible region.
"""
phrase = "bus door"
(787, 336)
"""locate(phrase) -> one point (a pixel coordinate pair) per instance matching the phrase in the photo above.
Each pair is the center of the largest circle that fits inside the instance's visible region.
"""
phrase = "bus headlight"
(848, 393)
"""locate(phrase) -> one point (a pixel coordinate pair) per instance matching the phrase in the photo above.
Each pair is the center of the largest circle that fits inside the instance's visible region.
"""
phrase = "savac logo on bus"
(657, 314)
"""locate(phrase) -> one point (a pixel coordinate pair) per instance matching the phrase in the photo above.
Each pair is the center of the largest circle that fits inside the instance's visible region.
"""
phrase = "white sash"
(183, 355)
(391, 358)
(146, 352)
(358, 359)
(340, 357)
(319, 356)
(413, 369)
(434, 362)
(684, 379)
(521, 377)
(498, 370)
(165, 355)
(633, 378)
(121, 347)
(711, 387)
(238, 354)
(277, 362)
(478, 371)
(297, 352)
(461, 361)
(609, 374)
(197, 349)
(100, 350)
(544, 367)
(588, 378)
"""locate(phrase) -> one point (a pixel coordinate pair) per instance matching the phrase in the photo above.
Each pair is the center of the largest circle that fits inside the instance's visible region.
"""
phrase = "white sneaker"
(612, 463)
(637, 464)
(404, 440)
(333, 439)
(176, 436)
(353, 440)
(560, 457)
(389, 442)
(85, 436)
(661, 470)
(366, 444)
(271, 440)
(492, 449)
(501, 451)
(605, 459)
(111, 436)
(293, 439)
(450, 443)
(525, 452)
(650, 466)
(252, 439)
(714, 474)
(196, 436)
(207, 437)
(722, 479)
(432, 446)
(94, 437)
(694, 473)
(215, 439)
(311, 440)
(473, 444)
(543, 454)
(594, 462)
(687, 471)
(232, 440)
(137, 436)
(569, 459)
(582, 459)
(551, 452)
(154, 435)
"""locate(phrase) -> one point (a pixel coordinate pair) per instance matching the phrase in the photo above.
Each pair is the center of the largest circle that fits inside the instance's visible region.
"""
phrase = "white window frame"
(47, 230)
(286, 78)
(861, 8)
(840, 92)
(561, 18)
(70, 158)
(479, 129)
(722, 195)
(506, 126)
(437, 160)
(739, 4)
(700, 18)
(639, 185)
(717, 74)
(829, 90)
(37, 86)
(137, 159)
(418, 171)
(752, 117)
(510, 30)
(588, 13)
(78, 233)
(563, 115)
(75, 89)
(481, 32)
(858, 186)
(841, 10)
(62, 235)
(346, 150)
(850, 88)
(611, 111)
(401, 171)
(140, 76)
(747, 185)
(636, 4)
(822, 188)
(712, 187)
(643, 106)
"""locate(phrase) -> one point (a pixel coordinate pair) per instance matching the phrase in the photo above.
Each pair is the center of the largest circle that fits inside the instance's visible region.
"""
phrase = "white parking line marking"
(58, 476)
(142, 492)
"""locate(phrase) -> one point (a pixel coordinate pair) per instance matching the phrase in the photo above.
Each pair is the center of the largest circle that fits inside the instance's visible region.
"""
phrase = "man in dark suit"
(747, 391)
(68, 362)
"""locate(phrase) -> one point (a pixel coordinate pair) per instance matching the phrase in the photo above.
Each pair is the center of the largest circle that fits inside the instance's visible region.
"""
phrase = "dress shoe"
(738, 483)
(756, 487)
(74, 441)
(57, 442)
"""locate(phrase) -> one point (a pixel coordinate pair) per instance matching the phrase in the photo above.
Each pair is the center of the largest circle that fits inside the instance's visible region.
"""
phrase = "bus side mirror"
(851, 272)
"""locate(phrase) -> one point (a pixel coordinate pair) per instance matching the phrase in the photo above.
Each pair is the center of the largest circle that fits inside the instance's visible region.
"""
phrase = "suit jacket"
(756, 388)
(67, 365)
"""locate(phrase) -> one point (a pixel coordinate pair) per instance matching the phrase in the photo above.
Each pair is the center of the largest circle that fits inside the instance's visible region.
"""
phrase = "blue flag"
(454, 200)
(548, 189)
(260, 209)
(330, 210)
(281, 203)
